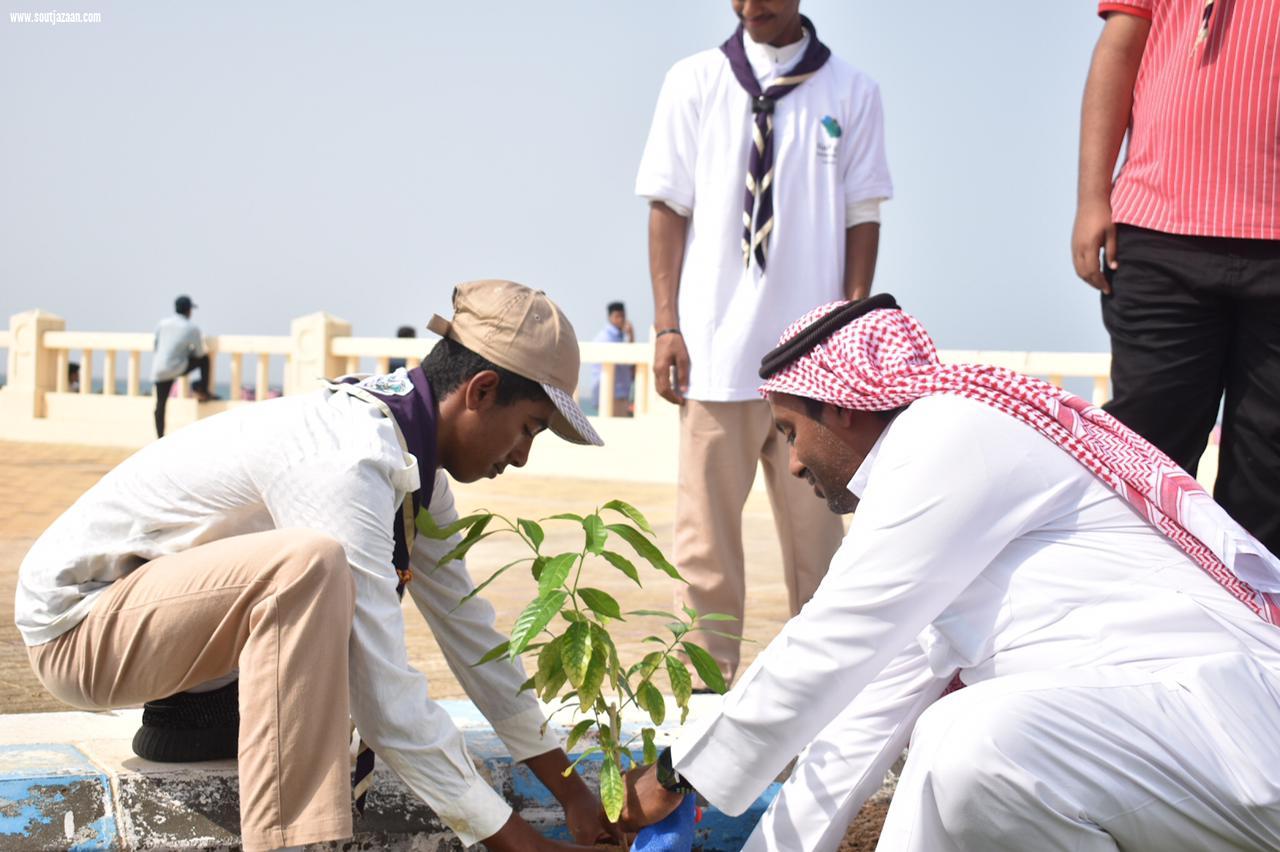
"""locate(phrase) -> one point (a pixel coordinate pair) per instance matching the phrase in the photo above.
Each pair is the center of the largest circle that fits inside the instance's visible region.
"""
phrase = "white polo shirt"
(829, 143)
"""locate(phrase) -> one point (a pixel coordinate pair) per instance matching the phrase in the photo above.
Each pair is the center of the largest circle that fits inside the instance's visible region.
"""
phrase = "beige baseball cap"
(524, 331)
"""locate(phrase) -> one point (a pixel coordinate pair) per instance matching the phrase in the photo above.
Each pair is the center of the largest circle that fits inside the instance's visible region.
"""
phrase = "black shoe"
(190, 726)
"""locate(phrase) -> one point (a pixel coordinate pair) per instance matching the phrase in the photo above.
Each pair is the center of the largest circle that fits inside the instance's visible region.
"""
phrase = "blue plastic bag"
(672, 834)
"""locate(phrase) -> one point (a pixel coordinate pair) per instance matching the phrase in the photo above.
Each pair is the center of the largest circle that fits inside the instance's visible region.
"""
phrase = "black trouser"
(1193, 319)
(163, 387)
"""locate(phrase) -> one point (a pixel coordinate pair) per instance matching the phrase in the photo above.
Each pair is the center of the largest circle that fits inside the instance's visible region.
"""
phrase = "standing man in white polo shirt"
(765, 170)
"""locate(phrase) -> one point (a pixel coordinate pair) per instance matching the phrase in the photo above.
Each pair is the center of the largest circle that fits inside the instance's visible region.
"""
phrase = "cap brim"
(569, 422)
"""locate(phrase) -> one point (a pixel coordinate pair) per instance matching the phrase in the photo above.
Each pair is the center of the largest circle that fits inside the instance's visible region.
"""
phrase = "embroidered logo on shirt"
(394, 384)
(832, 126)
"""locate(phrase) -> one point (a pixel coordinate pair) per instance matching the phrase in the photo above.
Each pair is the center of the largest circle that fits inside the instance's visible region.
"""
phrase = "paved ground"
(39, 481)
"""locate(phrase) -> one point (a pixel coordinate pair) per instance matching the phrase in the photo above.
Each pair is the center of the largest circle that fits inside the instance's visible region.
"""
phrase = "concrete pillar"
(32, 369)
(311, 355)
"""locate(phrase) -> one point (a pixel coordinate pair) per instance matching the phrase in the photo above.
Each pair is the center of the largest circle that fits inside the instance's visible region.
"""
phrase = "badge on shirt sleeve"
(393, 384)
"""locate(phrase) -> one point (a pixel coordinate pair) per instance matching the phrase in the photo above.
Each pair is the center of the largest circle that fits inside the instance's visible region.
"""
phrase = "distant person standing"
(1190, 234)
(404, 331)
(179, 349)
(771, 110)
(617, 330)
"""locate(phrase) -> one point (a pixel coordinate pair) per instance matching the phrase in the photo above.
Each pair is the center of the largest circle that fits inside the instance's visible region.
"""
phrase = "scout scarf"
(884, 360)
(405, 398)
(757, 205)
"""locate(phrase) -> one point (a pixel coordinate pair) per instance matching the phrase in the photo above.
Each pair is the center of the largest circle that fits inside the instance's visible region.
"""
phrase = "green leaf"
(473, 535)
(650, 699)
(537, 566)
(575, 652)
(565, 516)
(594, 677)
(478, 589)
(690, 611)
(492, 654)
(601, 603)
(553, 685)
(528, 684)
(533, 531)
(656, 613)
(596, 535)
(646, 667)
(681, 681)
(581, 758)
(706, 666)
(623, 564)
(577, 732)
(631, 512)
(650, 750)
(427, 525)
(733, 636)
(645, 549)
(555, 572)
(717, 616)
(549, 665)
(536, 615)
(602, 639)
(611, 787)
(571, 616)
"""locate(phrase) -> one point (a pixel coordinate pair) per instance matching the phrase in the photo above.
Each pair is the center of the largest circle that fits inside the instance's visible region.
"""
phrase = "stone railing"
(39, 404)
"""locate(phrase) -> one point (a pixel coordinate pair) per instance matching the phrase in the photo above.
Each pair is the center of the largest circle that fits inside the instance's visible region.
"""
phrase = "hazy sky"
(273, 159)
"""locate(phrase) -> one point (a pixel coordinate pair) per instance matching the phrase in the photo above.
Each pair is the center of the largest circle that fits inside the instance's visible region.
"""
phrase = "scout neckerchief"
(883, 359)
(405, 398)
(757, 205)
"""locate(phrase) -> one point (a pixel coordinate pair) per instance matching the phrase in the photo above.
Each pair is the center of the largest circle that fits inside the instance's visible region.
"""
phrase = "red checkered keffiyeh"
(884, 360)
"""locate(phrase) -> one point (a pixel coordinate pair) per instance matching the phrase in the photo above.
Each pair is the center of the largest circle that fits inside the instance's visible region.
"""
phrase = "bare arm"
(861, 243)
(667, 231)
(1104, 118)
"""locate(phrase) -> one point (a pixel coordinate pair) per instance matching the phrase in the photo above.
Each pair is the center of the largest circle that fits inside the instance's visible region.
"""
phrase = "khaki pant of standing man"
(720, 445)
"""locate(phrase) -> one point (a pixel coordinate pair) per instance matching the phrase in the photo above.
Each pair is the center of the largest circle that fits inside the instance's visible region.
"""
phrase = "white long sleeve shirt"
(323, 461)
(978, 547)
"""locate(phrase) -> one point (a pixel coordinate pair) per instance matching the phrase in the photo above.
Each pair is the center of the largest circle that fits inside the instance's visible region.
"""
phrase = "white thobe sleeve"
(351, 497)
(938, 506)
(466, 632)
(847, 762)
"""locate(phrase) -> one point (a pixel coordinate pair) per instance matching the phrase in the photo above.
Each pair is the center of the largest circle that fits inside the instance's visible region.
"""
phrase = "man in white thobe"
(1113, 628)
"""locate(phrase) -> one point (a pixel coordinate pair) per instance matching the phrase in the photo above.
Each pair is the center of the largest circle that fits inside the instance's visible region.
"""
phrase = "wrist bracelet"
(667, 331)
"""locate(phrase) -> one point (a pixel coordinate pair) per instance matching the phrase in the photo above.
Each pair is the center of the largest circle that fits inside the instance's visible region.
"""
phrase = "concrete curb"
(71, 781)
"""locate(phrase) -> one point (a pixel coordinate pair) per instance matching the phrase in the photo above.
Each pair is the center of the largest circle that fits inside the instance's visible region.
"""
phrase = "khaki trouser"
(720, 443)
(278, 605)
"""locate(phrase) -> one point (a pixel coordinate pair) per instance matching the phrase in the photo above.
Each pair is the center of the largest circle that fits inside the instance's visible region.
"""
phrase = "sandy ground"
(39, 481)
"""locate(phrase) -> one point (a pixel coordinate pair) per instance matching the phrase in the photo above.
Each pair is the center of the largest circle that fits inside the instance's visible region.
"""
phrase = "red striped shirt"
(1204, 138)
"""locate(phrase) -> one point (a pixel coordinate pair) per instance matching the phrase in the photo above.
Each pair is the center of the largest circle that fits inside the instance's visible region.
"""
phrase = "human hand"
(1094, 230)
(516, 835)
(586, 820)
(671, 367)
(628, 331)
(647, 801)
